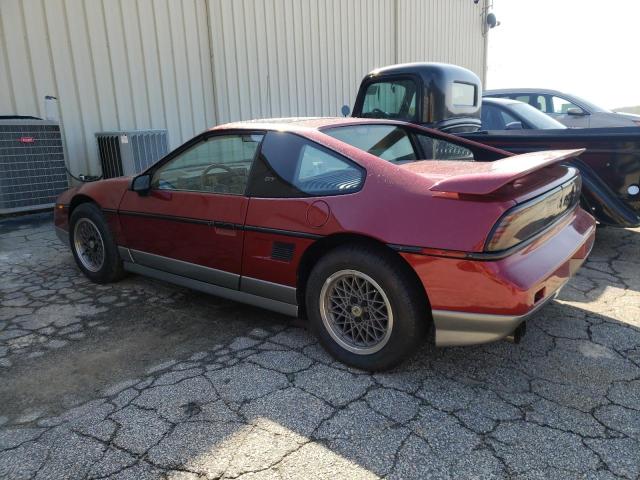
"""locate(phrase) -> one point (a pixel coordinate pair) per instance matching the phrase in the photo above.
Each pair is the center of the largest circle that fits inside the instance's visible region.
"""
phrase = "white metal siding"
(188, 64)
(449, 31)
(113, 64)
(295, 57)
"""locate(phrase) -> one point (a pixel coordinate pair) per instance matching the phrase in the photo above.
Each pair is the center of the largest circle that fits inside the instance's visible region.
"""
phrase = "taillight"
(526, 220)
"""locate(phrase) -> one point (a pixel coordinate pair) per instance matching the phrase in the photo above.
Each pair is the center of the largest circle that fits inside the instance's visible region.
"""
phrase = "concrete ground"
(141, 379)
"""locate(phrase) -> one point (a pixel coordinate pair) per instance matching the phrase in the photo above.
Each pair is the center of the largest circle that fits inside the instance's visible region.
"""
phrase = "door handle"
(225, 228)
(224, 225)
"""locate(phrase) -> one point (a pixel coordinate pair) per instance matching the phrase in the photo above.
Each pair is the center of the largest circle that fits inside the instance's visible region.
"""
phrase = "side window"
(540, 102)
(390, 99)
(291, 166)
(521, 98)
(491, 118)
(561, 106)
(438, 149)
(219, 164)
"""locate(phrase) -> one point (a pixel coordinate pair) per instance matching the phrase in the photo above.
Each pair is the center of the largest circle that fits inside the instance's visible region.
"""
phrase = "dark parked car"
(568, 109)
(340, 220)
(448, 97)
(507, 114)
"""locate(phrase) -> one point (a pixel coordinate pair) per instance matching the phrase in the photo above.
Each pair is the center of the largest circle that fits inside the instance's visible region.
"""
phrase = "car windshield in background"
(385, 141)
(535, 117)
(589, 105)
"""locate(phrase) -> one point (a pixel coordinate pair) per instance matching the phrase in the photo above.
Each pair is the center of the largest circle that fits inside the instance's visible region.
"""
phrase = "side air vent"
(130, 152)
(282, 251)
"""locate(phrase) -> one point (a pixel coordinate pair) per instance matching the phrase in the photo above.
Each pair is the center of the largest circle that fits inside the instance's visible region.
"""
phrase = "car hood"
(630, 116)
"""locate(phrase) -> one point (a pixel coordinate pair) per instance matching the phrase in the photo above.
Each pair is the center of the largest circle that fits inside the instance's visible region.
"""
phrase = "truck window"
(390, 99)
(464, 94)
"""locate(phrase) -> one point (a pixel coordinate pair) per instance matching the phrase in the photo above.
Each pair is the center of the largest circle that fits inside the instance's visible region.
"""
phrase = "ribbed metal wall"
(447, 31)
(113, 64)
(296, 57)
(184, 65)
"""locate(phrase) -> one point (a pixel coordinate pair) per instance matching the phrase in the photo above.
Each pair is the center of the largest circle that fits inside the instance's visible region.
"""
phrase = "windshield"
(588, 105)
(535, 117)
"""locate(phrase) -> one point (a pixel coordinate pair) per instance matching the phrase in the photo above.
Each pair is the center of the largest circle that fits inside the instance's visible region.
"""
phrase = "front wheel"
(93, 245)
(365, 308)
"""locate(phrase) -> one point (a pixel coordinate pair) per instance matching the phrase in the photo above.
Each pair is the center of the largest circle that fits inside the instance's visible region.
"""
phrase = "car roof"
(500, 101)
(522, 90)
(301, 123)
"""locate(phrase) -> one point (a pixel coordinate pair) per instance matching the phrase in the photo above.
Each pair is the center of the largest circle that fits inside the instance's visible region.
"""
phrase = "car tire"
(93, 246)
(365, 307)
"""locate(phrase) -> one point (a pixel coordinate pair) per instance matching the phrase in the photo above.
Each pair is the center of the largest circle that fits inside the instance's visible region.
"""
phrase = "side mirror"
(576, 111)
(514, 126)
(141, 184)
(345, 110)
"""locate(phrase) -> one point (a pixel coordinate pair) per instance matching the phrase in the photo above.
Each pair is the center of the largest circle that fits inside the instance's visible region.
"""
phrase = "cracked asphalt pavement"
(141, 379)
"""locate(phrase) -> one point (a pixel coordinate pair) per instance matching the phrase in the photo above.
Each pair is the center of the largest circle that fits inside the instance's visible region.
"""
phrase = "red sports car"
(340, 221)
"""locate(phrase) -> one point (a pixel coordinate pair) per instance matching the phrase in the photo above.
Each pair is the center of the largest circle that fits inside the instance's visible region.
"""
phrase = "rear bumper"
(465, 328)
(481, 301)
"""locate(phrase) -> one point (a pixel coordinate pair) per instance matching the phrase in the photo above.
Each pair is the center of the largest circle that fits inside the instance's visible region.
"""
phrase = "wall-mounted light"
(492, 21)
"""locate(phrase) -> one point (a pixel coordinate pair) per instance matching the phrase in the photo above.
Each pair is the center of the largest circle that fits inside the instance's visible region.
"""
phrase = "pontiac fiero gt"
(380, 233)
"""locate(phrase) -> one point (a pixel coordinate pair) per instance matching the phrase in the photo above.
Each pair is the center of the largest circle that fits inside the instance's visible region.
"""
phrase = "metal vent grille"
(130, 152)
(282, 251)
(32, 168)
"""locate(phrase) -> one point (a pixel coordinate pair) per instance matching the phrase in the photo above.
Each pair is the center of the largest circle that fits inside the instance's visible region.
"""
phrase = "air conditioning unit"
(130, 152)
(32, 167)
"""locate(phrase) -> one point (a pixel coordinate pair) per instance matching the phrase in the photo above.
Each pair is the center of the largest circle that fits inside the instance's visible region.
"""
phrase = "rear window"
(398, 145)
(385, 141)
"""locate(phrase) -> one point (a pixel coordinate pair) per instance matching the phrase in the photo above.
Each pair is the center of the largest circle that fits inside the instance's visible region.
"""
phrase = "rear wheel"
(365, 308)
(93, 245)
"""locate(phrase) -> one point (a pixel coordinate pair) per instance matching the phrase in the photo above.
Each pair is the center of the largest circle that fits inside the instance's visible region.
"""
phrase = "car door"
(190, 221)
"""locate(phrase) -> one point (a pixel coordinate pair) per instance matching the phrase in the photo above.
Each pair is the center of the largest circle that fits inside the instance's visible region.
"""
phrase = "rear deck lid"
(483, 178)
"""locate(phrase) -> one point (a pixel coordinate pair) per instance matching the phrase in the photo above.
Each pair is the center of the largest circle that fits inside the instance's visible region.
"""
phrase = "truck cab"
(436, 95)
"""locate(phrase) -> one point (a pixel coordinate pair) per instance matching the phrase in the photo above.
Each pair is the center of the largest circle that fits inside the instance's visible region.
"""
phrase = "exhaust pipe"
(518, 333)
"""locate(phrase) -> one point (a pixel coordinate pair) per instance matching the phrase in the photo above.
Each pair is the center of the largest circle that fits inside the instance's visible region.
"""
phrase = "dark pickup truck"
(448, 98)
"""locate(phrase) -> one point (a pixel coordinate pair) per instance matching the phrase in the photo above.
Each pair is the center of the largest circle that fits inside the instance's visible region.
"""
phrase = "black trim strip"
(404, 248)
(287, 233)
(109, 210)
(221, 224)
(172, 218)
(227, 225)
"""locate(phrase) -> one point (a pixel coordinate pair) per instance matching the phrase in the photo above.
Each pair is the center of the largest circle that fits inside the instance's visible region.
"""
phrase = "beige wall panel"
(441, 31)
(113, 64)
(295, 57)
(186, 65)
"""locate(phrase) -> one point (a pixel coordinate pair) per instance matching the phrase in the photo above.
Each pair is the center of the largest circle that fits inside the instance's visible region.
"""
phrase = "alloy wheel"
(356, 312)
(88, 245)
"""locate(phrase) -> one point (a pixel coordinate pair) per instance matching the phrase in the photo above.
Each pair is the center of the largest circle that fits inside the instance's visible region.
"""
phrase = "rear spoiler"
(500, 172)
